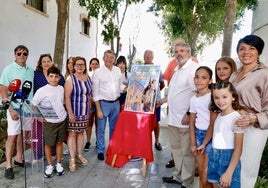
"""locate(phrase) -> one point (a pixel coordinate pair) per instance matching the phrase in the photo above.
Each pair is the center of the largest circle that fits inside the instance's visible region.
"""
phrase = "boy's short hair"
(53, 70)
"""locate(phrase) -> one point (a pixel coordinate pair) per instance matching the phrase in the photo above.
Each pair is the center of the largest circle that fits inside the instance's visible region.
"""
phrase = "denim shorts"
(199, 137)
(218, 162)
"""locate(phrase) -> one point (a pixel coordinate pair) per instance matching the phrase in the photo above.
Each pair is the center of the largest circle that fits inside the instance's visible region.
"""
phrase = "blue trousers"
(110, 112)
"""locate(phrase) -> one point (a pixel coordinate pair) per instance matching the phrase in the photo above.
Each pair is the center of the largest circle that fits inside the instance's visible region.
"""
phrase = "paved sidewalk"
(98, 174)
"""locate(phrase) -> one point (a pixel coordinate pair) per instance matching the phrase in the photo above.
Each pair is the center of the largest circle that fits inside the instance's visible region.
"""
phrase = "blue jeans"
(199, 137)
(110, 111)
(218, 162)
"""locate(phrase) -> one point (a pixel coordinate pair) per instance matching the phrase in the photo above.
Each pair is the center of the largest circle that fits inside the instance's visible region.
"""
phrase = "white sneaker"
(59, 169)
(49, 171)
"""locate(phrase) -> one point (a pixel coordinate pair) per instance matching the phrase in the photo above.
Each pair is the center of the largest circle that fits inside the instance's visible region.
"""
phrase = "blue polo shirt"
(15, 71)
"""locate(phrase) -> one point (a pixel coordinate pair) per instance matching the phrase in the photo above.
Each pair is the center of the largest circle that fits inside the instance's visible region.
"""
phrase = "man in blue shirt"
(17, 70)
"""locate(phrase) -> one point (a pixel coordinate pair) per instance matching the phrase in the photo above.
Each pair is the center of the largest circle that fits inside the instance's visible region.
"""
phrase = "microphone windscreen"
(26, 88)
(14, 85)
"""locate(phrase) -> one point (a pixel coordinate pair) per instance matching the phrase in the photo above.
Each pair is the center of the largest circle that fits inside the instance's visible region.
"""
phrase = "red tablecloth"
(132, 136)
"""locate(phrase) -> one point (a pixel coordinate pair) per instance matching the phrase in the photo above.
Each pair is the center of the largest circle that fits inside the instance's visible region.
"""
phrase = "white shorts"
(14, 126)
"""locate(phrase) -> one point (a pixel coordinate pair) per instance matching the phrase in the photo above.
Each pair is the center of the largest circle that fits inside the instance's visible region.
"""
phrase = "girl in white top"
(224, 166)
(200, 120)
(121, 62)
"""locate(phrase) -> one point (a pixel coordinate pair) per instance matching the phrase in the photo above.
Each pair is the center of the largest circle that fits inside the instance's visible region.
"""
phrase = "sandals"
(72, 165)
(81, 160)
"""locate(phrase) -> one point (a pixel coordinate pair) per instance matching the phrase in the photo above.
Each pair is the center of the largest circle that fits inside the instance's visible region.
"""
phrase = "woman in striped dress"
(77, 94)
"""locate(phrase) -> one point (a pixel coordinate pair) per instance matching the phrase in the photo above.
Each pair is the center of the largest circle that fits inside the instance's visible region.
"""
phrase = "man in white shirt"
(181, 89)
(107, 86)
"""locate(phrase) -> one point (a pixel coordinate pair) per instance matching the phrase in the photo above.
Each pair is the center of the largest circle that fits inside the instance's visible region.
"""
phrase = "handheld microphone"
(26, 89)
(13, 87)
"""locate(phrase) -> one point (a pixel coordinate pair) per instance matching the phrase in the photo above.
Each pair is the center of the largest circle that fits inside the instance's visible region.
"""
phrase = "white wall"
(21, 25)
(260, 26)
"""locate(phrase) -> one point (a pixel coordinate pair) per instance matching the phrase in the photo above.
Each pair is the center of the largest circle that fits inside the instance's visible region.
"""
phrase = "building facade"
(260, 26)
(33, 24)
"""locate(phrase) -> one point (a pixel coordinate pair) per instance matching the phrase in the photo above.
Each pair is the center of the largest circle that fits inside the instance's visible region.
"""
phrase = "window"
(37, 4)
(85, 24)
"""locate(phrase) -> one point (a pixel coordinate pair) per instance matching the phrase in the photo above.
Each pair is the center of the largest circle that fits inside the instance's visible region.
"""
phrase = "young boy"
(54, 129)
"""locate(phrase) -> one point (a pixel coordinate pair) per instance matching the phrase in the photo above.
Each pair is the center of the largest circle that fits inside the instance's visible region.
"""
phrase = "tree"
(60, 33)
(230, 16)
(229, 20)
(198, 22)
(112, 18)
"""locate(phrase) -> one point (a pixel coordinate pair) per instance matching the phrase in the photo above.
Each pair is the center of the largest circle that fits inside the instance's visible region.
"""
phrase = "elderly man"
(148, 60)
(181, 89)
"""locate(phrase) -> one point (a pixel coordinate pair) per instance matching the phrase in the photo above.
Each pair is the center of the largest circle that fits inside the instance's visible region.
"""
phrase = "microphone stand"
(22, 140)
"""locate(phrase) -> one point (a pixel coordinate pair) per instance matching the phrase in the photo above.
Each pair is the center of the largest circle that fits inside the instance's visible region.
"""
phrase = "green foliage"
(261, 183)
(108, 11)
(263, 172)
(198, 22)
(2, 116)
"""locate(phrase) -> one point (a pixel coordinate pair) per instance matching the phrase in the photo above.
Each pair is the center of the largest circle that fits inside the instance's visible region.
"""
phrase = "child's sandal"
(72, 165)
(81, 160)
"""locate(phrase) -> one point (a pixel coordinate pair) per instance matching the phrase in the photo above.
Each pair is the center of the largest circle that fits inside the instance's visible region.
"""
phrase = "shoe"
(59, 169)
(101, 156)
(86, 148)
(9, 174)
(182, 186)
(49, 171)
(81, 160)
(16, 163)
(170, 180)
(72, 165)
(65, 152)
(158, 146)
(170, 164)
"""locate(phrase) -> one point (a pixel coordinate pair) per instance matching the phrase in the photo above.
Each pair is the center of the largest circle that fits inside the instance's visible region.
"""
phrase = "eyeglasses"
(24, 54)
(80, 65)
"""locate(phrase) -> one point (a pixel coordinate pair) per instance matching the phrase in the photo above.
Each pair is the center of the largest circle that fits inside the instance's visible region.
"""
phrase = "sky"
(144, 24)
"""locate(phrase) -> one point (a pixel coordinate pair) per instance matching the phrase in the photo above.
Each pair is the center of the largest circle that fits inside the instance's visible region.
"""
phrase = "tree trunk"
(60, 33)
(229, 20)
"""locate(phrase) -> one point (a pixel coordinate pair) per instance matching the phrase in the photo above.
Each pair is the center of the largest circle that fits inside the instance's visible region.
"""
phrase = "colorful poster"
(142, 88)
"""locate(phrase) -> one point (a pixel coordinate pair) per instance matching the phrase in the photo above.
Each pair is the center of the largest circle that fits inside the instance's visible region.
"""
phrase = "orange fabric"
(167, 75)
(132, 136)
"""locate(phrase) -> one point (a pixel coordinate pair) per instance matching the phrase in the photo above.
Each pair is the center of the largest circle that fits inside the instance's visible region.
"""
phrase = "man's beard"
(182, 61)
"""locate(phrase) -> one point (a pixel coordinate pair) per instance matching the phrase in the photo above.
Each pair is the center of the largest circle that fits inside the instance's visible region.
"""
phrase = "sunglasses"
(24, 54)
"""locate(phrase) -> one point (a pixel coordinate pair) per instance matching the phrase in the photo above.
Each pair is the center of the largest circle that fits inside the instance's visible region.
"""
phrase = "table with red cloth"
(132, 136)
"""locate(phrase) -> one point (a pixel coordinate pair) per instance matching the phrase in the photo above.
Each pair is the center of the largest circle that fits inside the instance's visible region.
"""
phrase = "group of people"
(219, 127)
(79, 100)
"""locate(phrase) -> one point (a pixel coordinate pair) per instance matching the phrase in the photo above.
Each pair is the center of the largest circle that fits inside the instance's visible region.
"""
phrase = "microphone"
(13, 87)
(26, 89)
(17, 95)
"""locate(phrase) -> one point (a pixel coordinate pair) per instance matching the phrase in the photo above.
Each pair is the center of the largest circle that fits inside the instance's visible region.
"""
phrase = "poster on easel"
(142, 88)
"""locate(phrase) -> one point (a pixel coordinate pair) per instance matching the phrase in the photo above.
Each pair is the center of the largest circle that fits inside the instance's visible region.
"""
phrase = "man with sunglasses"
(17, 70)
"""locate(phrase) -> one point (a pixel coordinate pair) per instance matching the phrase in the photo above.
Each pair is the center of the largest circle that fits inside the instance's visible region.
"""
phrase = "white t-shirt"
(200, 106)
(51, 95)
(181, 89)
(223, 134)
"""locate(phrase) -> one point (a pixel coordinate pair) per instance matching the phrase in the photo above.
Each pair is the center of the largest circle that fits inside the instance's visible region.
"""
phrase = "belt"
(109, 101)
